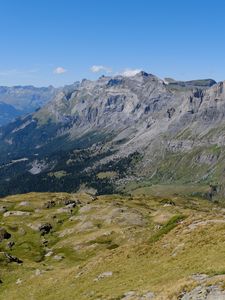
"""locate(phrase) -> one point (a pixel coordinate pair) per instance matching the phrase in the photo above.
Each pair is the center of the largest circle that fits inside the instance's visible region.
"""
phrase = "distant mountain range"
(19, 100)
(110, 133)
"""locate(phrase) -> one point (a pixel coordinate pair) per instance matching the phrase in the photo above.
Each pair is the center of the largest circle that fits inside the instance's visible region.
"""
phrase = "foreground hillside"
(76, 246)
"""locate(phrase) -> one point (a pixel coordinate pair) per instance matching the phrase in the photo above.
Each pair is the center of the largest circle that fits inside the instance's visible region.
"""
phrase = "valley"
(139, 128)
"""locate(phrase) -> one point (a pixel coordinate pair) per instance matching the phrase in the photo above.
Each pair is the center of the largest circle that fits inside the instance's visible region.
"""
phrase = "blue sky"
(57, 42)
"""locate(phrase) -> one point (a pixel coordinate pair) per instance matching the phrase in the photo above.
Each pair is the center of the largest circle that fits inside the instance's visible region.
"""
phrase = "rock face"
(139, 126)
(212, 292)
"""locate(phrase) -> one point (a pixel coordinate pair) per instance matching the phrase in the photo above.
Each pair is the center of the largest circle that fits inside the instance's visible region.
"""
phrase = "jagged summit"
(110, 121)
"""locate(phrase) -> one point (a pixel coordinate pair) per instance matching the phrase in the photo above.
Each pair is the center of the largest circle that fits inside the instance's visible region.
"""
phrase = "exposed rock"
(50, 253)
(16, 213)
(4, 234)
(212, 292)
(170, 112)
(71, 205)
(148, 296)
(129, 295)
(70, 202)
(12, 258)
(50, 204)
(132, 295)
(24, 203)
(19, 281)
(10, 244)
(58, 257)
(38, 272)
(3, 209)
(145, 121)
(200, 277)
(103, 275)
(45, 228)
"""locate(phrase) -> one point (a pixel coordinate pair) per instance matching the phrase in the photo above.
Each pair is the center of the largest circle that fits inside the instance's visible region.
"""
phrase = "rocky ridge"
(136, 127)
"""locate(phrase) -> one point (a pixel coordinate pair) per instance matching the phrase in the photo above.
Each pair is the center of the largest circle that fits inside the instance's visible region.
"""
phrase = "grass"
(58, 174)
(109, 174)
(173, 222)
(174, 238)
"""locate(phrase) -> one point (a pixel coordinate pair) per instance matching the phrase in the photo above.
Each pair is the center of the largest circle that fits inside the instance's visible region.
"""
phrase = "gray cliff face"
(138, 108)
(109, 103)
(176, 128)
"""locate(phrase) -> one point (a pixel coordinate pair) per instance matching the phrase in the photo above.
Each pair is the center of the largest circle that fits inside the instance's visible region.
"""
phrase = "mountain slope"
(123, 128)
(75, 246)
(20, 100)
(7, 113)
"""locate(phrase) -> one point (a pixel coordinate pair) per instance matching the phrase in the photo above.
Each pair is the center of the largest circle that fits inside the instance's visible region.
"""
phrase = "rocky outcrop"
(45, 228)
(4, 234)
(12, 258)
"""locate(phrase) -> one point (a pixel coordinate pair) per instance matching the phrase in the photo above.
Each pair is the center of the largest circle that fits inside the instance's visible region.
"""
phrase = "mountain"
(19, 100)
(106, 135)
(7, 113)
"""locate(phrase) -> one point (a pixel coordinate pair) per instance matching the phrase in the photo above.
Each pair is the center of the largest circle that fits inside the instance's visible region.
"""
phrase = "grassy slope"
(150, 243)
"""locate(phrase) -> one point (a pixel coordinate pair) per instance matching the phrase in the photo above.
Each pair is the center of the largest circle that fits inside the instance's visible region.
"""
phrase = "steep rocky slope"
(125, 128)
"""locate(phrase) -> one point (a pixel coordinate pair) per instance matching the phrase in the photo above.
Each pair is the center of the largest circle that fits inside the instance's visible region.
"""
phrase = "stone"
(38, 272)
(50, 204)
(58, 257)
(16, 213)
(148, 296)
(10, 244)
(19, 281)
(204, 293)
(12, 258)
(4, 234)
(50, 253)
(103, 275)
(70, 202)
(45, 228)
(3, 209)
(24, 203)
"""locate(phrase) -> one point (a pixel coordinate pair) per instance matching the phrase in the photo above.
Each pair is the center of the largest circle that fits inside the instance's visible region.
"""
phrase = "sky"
(57, 42)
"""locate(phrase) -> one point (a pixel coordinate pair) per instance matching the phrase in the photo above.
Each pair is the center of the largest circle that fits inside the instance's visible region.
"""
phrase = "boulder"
(10, 244)
(16, 213)
(3, 209)
(103, 275)
(45, 228)
(24, 203)
(58, 257)
(50, 204)
(68, 202)
(4, 235)
(12, 258)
